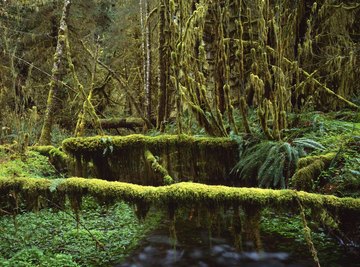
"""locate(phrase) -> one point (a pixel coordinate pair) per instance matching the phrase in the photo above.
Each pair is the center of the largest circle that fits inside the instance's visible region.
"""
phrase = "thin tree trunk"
(57, 73)
(88, 106)
(146, 50)
(148, 91)
(163, 93)
(143, 50)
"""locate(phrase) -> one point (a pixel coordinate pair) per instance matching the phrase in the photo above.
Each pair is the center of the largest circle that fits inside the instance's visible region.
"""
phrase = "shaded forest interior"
(168, 94)
(197, 65)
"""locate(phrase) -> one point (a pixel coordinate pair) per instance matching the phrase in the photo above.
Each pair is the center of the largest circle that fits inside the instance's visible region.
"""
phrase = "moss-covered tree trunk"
(163, 68)
(146, 51)
(57, 73)
(148, 89)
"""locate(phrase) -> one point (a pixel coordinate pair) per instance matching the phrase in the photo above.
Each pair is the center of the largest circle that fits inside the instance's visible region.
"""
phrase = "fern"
(251, 160)
(308, 143)
(271, 164)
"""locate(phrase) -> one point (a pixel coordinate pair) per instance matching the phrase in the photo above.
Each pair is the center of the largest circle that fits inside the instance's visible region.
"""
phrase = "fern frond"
(251, 160)
(279, 173)
(308, 143)
(289, 151)
(272, 163)
(270, 158)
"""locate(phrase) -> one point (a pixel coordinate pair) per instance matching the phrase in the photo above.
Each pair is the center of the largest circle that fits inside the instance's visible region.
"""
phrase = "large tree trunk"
(57, 73)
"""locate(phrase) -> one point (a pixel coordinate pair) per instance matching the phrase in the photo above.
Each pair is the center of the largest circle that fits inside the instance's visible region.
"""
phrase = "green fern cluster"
(271, 164)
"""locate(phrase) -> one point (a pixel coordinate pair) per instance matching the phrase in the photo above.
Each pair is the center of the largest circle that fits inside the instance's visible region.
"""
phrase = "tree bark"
(57, 73)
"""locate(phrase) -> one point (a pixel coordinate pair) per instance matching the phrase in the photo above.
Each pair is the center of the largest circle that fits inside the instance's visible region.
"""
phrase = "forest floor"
(48, 238)
(106, 235)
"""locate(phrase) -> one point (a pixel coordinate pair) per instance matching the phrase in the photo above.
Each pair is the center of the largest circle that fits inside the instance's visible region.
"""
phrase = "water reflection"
(159, 250)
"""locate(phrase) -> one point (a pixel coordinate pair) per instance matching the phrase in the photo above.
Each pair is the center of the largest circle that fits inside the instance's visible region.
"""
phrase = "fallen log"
(185, 193)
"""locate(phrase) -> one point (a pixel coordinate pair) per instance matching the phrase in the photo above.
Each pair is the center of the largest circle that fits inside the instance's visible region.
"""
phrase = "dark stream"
(196, 248)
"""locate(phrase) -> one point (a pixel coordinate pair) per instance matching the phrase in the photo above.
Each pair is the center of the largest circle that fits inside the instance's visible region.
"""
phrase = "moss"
(33, 165)
(309, 168)
(42, 150)
(57, 157)
(57, 153)
(306, 161)
(157, 168)
(97, 144)
(252, 225)
(201, 159)
(183, 194)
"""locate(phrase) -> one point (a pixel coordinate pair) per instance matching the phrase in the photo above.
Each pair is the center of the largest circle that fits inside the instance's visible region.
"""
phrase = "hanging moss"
(125, 158)
(309, 168)
(212, 200)
(35, 193)
(97, 145)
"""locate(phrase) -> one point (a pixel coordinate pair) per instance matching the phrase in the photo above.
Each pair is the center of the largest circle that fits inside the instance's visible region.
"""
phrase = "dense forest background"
(197, 65)
(277, 82)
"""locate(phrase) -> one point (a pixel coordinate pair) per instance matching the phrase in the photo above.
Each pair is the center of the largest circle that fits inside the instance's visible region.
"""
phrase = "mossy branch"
(317, 82)
(157, 168)
(87, 104)
(52, 104)
(307, 235)
(124, 86)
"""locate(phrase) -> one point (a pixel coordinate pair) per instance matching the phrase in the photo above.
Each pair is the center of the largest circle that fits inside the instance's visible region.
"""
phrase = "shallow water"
(196, 248)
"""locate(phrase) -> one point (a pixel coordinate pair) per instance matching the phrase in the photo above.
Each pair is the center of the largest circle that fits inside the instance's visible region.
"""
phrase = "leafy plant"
(109, 148)
(48, 239)
(31, 257)
(271, 163)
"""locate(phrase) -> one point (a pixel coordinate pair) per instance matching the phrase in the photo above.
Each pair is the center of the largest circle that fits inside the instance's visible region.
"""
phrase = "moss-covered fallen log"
(309, 168)
(185, 193)
(97, 144)
(186, 158)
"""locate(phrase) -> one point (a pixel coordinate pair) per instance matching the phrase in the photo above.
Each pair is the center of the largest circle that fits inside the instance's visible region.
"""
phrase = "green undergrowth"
(340, 134)
(32, 164)
(52, 239)
(288, 230)
(271, 164)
